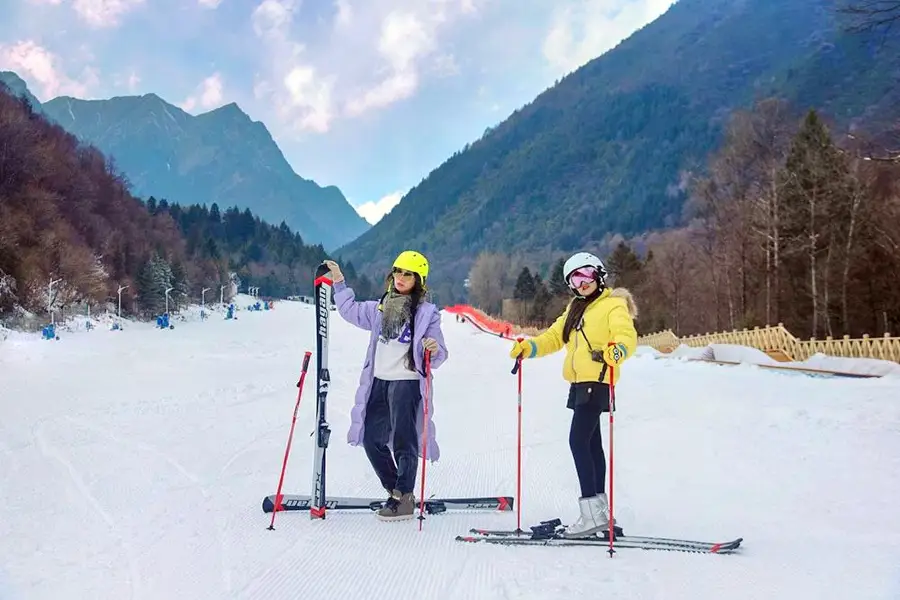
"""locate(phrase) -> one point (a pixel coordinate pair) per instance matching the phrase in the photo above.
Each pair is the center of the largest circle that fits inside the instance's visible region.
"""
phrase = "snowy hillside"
(133, 465)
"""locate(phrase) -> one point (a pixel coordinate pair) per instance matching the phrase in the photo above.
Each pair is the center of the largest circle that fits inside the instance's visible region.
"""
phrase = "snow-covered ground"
(133, 465)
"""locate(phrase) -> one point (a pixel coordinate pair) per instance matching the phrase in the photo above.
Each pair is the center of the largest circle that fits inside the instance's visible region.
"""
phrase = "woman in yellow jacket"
(597, 331)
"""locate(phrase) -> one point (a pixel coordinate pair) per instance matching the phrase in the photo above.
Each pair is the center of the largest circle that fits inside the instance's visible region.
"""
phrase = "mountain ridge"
(219, 156)
(605, 151)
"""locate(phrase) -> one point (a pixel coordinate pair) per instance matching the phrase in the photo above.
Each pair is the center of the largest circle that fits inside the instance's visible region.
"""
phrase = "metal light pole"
(50, 298)
(167, 299)
(203, 297)
(222, 294)
(121, 289)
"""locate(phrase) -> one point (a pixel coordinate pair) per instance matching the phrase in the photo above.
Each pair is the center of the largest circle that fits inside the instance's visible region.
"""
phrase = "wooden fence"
(781, 344)
(776, 341)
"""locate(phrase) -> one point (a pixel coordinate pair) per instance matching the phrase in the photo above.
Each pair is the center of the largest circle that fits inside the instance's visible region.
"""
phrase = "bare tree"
(738, 203)
(870, 15)
(857, 193)
(488, 279)
(669, 270)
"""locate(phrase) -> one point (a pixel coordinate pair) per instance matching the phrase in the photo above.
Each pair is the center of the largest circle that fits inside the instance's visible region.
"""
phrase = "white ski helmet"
(585, 259)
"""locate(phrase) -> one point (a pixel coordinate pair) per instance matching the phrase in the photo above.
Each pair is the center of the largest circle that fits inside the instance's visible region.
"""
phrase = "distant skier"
(388, 407)
(594, 318)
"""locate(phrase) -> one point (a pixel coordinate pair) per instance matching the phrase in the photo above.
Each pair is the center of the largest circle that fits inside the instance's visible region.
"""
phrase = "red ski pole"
(425, 435)
(290, 437)
(612, 409)
(517, 369)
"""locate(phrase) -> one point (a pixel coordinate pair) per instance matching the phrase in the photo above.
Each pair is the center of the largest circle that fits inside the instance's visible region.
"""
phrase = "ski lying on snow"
(432, 505)
(549, 533)
(605, 538)
(640, 543)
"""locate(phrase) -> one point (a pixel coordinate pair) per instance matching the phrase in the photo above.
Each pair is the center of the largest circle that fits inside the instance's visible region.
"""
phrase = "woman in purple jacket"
(388, 406)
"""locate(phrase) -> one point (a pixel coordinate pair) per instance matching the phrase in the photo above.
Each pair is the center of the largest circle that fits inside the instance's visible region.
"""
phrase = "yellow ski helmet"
(410, 260)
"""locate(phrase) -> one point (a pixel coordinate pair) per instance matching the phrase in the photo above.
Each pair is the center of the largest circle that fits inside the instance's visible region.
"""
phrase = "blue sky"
(368, 95)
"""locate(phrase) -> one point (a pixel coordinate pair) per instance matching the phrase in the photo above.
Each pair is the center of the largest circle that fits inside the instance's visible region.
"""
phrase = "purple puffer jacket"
(366, 315)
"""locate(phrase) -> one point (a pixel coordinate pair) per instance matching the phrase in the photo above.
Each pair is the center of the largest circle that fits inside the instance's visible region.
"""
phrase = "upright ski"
(323, 288)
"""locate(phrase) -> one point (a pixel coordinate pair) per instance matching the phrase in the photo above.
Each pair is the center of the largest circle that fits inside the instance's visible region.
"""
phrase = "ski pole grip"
(306, 357)
(518, 362)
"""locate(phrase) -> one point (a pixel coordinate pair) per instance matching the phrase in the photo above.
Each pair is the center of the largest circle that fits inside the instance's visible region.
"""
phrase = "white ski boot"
(594, 518)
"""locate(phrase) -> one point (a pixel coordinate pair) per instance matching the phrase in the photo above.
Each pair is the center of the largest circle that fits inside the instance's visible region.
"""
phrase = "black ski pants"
(392, 408)
(588, 401)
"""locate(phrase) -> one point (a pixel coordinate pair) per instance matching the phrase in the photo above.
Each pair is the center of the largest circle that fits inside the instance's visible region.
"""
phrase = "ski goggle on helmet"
(582, 276)
(582, 268)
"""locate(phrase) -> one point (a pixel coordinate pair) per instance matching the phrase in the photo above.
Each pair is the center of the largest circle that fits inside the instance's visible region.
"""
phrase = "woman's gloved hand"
(520, 347)
(614, 355)
(430, 344)
(336, 275)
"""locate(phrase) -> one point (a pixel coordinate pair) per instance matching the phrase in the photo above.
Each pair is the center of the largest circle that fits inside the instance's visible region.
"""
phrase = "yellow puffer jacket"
(609, 318)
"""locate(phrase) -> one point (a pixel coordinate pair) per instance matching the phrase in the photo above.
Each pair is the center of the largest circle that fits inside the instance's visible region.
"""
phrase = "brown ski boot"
(399, 507)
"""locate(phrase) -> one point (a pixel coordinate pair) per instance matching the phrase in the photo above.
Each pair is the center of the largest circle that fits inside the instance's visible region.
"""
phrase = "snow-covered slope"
(133, 465)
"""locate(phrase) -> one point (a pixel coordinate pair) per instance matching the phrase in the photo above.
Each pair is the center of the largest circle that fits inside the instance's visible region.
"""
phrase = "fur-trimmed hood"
(629, 300)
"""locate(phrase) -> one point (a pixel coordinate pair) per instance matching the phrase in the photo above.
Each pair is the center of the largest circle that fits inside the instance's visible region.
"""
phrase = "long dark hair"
(415, 296)
(576, 311)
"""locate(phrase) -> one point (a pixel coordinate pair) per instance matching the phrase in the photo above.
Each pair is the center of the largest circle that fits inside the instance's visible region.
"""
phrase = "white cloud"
(468, 6)
(585, 29)
(133, 81)
(43, 72)
(104, 13)
(272, 18)
(311, 96)
(129, 80)
(210, 3)
(378, 53)
(396, 87)
(344, 13)
(101, 13)
(404, 39)
(207, 95)
(374, 211)
(302, 97)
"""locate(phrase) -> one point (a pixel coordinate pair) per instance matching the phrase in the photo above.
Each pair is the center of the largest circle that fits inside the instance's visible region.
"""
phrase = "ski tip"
(467, 538)
(726, 547)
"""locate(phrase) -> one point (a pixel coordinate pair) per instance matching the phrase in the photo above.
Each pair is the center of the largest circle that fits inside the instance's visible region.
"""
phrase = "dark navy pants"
(392, 409)
(587, 402)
